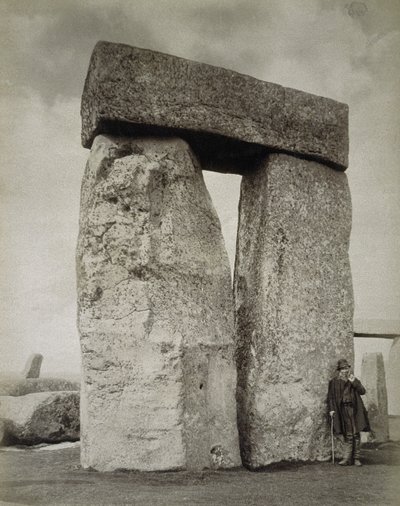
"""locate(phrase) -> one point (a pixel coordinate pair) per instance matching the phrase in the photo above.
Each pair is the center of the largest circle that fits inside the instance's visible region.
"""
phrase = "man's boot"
(357, 449)
(348, 451)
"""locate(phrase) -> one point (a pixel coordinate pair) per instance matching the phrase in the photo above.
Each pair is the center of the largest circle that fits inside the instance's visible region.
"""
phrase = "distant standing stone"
(375, 400)
(393, 378)
(18, 386)
(155, 312)
(294, 306)
(33, 365)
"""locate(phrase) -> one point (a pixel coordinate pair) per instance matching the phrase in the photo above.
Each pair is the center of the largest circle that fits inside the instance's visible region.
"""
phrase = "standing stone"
(375, 399)
(393, 378)
(155, 312)
(32, 366)
(294, 306)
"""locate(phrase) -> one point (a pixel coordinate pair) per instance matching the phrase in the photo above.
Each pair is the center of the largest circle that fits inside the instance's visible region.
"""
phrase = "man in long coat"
(348, 412)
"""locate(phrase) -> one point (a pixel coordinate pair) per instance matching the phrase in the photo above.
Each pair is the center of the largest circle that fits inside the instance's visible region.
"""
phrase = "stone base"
(294, 306)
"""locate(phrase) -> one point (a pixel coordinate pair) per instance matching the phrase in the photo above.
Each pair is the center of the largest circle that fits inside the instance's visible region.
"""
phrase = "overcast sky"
(348, 51)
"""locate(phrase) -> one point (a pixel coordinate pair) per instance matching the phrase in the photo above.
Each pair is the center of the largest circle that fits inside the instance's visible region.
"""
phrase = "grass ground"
(55, 477)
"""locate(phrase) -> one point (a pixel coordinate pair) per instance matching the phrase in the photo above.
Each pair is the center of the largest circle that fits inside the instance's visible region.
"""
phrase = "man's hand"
(331, 413)
(351, 377)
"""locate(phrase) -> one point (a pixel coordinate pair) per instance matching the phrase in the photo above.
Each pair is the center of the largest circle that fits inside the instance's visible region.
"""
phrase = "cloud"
(47, 44)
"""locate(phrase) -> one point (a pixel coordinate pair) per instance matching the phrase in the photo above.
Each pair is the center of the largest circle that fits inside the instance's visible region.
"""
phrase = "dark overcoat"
(335, 395)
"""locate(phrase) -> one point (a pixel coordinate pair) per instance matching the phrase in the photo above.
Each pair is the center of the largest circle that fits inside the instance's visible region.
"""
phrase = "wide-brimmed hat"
(343, 364)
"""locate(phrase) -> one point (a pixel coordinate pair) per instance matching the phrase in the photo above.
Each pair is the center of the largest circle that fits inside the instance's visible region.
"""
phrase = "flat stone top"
(376, 327)
(132, 91)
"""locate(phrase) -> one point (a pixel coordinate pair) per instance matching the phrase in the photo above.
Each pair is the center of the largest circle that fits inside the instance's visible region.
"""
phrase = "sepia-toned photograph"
(200, 252)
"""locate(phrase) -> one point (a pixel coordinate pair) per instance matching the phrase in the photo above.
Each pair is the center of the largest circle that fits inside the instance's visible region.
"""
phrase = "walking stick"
(333, 445)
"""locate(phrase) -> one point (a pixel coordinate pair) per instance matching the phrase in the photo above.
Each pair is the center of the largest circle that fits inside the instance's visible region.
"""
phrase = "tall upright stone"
(294, 306)
(393, 378)
(375, 400)
(155, 312)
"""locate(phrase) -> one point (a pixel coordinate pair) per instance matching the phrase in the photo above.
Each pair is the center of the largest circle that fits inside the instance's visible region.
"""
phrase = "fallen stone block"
(46, 417)
(294, 306)
(133, 92)
(20, 386)
(155, 312)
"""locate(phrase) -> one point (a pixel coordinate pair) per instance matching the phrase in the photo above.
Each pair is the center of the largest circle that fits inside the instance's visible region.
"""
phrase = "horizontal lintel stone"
(223, 114)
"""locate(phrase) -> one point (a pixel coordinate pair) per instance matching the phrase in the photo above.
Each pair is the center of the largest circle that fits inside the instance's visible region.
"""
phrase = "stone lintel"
(376, 328)
(224, 115)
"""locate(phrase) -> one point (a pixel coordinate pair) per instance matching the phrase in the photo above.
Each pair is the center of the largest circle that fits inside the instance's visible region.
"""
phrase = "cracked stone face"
(155, 312)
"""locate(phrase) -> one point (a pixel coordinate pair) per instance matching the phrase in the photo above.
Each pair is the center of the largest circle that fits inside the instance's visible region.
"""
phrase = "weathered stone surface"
(155, 312)
(393, 378)
(294, 306)
(130, 91)
(32, 366)
(375, 400)
(46, 417)
(21, 386)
